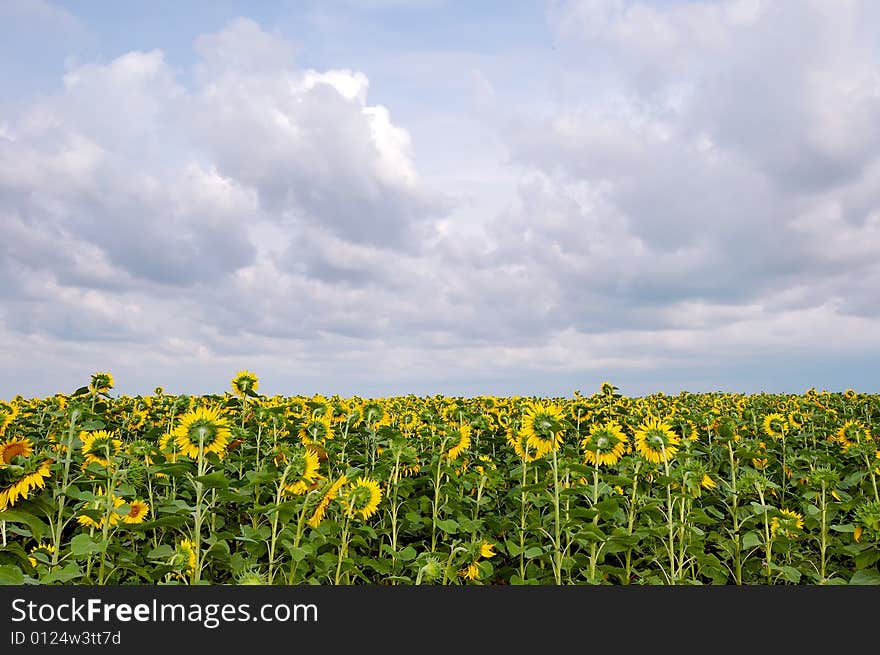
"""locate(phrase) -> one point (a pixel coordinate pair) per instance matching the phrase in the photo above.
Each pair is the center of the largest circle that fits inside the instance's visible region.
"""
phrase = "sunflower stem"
(557, 550)
(343, 549)
(630, 523)
(737, 537)
(62, 493)
(279, 492)
(522, 522)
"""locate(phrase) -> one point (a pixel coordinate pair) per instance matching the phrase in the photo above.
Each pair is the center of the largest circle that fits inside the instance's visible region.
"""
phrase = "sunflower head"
(12, 449)
(8, 413)
(251, 576)
(543, 426)
(521, 446)
(460, 438)
(101, 382)
(317, 430)
(487, 549)
(775, 425)
(605, 444)
(787, 524)
(19, 479)
(850, 434)
(363, 497)
(331, 492)
(301, 467)
(867, 519)
(185, 556)
(99, 447)
(138, 510)
(202, 428)
(245, 383)
(655, 441)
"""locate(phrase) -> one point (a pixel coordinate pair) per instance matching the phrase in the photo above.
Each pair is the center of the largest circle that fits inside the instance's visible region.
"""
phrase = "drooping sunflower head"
(543, 425)
(655, 441)
(330, 494)
(487, 549)
(185, 556)
(363, 497)
(867, 520)
(98, 447)
(101, 382)
(608, 389)
(19, 479)
(460, 438)
(44, 549)
(371, 413)
(317, 430)
(8, 413)
(244, 382)
(303, 471)
(13, 448)
(605, 444)
(97, 510)
(850, 434)
(521, 446)
(203, 428)
(787, 523)
(775, 425)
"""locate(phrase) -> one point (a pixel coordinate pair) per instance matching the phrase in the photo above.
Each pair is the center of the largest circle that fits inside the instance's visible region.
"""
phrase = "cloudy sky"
(381, 197)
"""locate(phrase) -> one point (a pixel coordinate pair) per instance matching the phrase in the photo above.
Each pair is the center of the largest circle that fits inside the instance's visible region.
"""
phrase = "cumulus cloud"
(698, 187)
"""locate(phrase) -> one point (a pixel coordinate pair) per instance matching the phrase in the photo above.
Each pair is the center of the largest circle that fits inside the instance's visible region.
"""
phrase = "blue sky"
(381, 197)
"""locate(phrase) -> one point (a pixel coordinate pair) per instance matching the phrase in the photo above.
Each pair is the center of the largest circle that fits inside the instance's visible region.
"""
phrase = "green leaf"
(865, 577)
(37, 527)
(162, 552)
(11, 575)
(407, 554)
(751, 539)
(214, 480)
(68, 573)
(83, 544)
(533, 551)
(448, 525)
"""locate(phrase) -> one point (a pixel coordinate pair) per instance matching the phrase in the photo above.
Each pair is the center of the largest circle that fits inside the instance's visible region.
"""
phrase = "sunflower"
(363, 497)
(18, 481)
(328, 497)
(850, 434)
(137, 512)
(542, 425)
(521, 446)
(7, 415)
(96, 446)
(462, 443)
(708, 483)
(202, 426)
(99, 504)
(43, 547)
(655, 440)
(317, 430)
(101, 382)
(775, 425)
(471, 571)
(14, 448)
(303, 473)
(185, 555)
(788, 524)
(244, 382)
(605, 444)
(487, 550)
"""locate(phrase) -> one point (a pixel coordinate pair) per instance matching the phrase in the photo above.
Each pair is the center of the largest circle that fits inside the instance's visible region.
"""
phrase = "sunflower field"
(243, 488)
